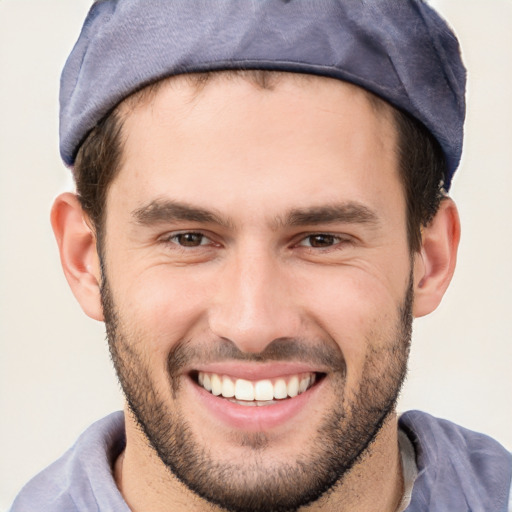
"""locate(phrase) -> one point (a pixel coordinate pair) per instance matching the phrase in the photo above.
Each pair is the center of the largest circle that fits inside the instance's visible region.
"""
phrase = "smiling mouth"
(259, 392)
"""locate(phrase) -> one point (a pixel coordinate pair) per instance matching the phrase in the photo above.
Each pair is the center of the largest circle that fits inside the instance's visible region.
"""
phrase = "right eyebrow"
(164, 210)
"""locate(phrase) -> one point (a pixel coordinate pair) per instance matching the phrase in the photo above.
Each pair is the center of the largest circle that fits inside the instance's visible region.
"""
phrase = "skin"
(258, 155)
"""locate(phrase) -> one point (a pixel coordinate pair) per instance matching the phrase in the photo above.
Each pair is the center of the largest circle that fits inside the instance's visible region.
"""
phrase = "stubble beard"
(255, 485)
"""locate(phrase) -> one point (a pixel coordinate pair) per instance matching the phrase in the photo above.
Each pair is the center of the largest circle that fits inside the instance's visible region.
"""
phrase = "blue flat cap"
(401, 50)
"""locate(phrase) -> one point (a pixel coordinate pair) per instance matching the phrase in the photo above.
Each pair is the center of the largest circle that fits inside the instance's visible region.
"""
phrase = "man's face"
(256, 244)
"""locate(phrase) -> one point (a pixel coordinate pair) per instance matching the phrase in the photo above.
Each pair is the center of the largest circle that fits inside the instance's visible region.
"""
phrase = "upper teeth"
(260, 390)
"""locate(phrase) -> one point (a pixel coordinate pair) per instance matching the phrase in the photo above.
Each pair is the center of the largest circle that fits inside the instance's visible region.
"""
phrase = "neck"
(375, 483)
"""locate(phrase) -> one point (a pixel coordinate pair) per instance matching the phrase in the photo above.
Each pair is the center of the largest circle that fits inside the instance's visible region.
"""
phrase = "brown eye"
(190, 239)
(321, 240)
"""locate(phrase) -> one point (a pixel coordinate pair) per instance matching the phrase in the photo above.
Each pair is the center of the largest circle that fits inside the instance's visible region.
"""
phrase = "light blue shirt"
(456, 470)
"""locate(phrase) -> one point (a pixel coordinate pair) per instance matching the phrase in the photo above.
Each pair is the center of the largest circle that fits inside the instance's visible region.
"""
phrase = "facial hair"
(253, 485)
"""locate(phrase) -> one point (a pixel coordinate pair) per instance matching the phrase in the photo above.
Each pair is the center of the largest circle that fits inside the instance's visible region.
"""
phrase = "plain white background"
(55, 374)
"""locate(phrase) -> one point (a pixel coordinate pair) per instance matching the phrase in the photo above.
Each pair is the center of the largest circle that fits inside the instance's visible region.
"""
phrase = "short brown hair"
(422, 164)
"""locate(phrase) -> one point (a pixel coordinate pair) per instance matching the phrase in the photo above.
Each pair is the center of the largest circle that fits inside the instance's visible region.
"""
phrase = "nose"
(253, 305)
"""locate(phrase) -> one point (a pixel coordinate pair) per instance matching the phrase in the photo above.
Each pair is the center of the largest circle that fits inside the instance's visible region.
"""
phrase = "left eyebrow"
(346, 213)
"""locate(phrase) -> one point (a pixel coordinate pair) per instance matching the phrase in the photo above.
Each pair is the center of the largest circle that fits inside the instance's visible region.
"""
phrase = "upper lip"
(257, 371)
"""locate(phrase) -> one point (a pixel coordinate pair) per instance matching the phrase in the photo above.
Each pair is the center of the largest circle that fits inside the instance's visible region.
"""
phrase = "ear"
(434, 265)
(79, 258)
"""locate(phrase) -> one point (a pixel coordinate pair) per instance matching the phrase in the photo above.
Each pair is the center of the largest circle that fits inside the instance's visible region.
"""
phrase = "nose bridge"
(252, 306)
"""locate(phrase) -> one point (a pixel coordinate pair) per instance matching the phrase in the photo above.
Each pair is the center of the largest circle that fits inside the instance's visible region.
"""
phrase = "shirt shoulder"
(458, 469)
(82, 479)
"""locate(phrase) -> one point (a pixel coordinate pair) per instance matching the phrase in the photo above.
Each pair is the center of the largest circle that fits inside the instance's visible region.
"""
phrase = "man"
(261, 212)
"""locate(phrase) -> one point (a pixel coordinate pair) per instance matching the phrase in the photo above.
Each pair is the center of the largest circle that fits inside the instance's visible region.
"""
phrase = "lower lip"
(254, 418)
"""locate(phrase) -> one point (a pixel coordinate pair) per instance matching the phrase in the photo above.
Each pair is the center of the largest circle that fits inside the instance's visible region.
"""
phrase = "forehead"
(255, 132)
(189, 86)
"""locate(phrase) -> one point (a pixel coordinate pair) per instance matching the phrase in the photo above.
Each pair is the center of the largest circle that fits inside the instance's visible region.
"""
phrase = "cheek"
(164, 307)
(356, 308)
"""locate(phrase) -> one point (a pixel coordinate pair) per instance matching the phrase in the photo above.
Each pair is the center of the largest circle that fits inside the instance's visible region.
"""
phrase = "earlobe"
(435, 263)
(77, 247)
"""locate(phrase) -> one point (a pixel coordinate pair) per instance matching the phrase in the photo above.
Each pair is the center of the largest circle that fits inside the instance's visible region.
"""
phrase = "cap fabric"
(400, 50)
